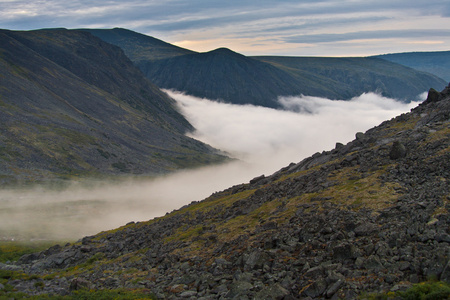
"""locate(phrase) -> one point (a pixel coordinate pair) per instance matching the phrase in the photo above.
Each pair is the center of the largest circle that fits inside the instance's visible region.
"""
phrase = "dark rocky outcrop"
(339, 223)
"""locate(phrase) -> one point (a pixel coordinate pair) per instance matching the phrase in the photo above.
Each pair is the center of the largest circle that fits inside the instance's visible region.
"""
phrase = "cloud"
(309, 124)
(369, 35)
(263, 27)
(262, 139)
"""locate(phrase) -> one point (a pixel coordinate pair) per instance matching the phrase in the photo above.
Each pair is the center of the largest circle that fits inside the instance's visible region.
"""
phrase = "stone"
(188, 294)
(332, 289)
(398, 150)
(239, 288)
(79, 284)
(445, 275)
(274, 291)
(433, 96)
(316, 289)
(256, 260)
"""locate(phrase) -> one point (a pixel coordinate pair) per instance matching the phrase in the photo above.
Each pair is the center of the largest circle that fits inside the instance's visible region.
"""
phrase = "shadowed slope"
(73, 105)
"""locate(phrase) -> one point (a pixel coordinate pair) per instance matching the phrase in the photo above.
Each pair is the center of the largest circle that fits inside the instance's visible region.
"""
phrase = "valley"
(158, 172)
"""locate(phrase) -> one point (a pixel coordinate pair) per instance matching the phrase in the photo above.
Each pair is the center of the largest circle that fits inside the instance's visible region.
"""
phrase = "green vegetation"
(116, 294)
(12, 251)
(428, 290)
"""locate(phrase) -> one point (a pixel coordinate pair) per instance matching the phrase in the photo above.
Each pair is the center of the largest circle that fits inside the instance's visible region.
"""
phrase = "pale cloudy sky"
(254, 27)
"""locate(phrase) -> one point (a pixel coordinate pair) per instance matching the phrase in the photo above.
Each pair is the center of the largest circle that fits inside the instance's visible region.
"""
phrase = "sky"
(262, 140)
(254, 27)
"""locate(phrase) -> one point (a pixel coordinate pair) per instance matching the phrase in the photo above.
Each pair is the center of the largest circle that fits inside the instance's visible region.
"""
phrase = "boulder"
(398, 150)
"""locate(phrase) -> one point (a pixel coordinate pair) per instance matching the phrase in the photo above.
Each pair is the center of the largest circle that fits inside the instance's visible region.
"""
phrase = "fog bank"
(262, 139)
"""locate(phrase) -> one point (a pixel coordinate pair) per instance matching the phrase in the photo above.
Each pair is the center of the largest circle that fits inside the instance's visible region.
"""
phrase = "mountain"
(139, 47)
(222, 75)
(347, 77)
(368, 216)
(437, 63)
(73, 105)
(225, 75)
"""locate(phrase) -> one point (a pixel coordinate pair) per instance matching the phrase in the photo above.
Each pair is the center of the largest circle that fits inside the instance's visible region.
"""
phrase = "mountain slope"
(73, 105)
(344, 78)
(138, 47)
(223, 75)
(227, 76)
(368, 216)
(437, 63)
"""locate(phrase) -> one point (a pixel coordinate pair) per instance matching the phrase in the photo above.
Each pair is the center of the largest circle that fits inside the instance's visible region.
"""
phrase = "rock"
(316, 289)
(445, 275)
(332, 289)
(433, 96)
(274, 291)
(359, 136)
(8, 267)
(188, 294)
(80, 284)
(373, 263)
(365, 229)
(344, 251)
(398, 150)
(239, 288)
(256, 260)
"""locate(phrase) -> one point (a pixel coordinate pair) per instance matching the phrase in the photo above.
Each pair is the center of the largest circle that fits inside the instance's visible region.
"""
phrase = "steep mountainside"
(437, 63)
(344, 78)
(372, 215)
(222, 75)
(139, 47)
(73, 105)
(231, 77)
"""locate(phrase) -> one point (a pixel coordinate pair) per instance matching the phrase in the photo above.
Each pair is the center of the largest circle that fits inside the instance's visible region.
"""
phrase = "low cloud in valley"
(262, 140)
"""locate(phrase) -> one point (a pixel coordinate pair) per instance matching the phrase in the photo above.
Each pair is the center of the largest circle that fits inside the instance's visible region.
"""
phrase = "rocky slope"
(369, 216)
(74, 105)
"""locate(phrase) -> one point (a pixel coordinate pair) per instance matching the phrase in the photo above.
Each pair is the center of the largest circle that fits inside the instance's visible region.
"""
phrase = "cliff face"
(73, 105)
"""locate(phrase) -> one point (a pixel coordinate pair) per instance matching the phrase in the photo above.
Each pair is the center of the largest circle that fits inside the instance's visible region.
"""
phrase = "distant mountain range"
(72, 105)
(228, 76)
(437, 63)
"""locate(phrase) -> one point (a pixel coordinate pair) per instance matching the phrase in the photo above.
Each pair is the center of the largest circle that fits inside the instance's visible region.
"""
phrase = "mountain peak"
(223, 51)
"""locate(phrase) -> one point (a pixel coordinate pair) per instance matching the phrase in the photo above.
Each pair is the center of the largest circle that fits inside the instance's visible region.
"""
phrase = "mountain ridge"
(74, 105)
(435, 62)
(368, 216)
(261, 83)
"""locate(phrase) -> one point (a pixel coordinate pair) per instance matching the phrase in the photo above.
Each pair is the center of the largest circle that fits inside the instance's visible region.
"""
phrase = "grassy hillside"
(73, 105)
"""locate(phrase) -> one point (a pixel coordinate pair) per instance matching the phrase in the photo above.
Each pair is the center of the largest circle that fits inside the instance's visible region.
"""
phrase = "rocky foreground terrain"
(369, 216)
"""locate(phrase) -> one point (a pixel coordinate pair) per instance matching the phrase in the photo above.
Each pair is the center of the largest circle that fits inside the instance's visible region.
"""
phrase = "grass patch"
(12, 251)
(357, 192)
(428, 290)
